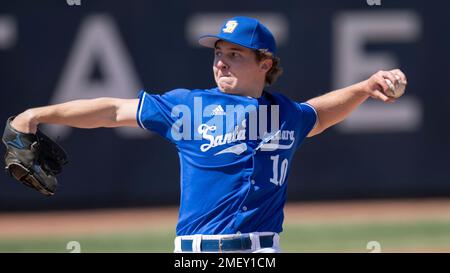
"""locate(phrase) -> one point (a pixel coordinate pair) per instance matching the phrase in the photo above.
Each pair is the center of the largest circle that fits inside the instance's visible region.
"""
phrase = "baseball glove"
(33, 159)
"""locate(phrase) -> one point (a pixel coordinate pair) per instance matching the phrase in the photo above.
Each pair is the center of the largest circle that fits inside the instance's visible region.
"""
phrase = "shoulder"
(280, 99)
(174, 96)
(285, 102)
(185, 93)
(178, 92)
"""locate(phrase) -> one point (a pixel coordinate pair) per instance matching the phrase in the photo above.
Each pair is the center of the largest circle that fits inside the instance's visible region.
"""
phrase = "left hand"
(33, 159)
(376, 85)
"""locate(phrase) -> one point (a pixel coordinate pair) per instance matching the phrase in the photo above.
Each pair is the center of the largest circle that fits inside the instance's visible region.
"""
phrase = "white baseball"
(395, 90)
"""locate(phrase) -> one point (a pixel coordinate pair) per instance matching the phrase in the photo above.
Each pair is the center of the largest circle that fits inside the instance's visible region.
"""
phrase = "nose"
(221, 65)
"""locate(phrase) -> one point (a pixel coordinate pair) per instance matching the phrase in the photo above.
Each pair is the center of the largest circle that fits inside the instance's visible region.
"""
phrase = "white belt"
(196, 240)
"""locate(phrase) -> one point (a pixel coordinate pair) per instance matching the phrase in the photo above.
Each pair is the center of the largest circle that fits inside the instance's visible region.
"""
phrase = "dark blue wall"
(108, 169)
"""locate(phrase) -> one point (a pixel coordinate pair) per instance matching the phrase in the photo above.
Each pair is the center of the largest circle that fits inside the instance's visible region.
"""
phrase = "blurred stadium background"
(382, 175)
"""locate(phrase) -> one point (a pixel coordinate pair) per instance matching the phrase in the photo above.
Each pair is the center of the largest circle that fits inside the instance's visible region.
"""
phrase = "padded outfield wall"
(52, 52)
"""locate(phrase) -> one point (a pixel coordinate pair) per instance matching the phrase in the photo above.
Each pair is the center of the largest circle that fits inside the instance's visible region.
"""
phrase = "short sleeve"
(154, 111)
(308, 117)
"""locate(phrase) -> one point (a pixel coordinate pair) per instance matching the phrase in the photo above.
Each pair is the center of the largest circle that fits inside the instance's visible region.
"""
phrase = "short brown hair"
(275, 71)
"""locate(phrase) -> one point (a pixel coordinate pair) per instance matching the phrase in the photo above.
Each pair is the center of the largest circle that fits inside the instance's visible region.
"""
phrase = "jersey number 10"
(279, 180)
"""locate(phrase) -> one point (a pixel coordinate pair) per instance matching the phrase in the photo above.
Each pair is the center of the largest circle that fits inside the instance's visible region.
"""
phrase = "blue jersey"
(235, 155)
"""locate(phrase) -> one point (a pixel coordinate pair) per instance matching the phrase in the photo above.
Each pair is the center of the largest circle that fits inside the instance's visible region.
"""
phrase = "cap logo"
(230, 26)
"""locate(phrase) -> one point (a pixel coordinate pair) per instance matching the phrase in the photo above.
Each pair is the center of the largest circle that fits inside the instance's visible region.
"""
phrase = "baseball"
(395, 90)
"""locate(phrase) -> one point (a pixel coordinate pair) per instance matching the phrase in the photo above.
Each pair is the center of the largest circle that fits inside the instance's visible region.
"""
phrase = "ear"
(266, 64)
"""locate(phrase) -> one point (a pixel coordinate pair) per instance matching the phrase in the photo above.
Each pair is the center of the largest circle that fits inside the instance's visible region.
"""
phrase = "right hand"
(24, 123)
(376, 85)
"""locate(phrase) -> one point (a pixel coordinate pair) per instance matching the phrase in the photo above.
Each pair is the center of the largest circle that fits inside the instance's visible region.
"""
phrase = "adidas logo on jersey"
(218, 111)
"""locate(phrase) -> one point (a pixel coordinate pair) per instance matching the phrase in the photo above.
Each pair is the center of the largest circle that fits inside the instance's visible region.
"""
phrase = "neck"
(251, 92)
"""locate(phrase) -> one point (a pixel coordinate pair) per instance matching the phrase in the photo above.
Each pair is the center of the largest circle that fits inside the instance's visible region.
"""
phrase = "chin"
(226, 87)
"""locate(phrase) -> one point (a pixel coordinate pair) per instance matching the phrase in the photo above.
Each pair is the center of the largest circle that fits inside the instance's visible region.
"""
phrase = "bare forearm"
(92, 113)
(335, 106)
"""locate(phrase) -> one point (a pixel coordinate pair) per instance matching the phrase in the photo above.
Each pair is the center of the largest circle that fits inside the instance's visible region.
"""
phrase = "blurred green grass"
(420, 236)
(393, 237)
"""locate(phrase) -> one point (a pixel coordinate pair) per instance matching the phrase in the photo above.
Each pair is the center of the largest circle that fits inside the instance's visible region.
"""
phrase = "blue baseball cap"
(244, 31)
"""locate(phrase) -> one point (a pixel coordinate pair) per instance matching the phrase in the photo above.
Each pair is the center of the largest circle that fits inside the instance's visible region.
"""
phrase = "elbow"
(106, 112)
(121, 113)
(113, 115)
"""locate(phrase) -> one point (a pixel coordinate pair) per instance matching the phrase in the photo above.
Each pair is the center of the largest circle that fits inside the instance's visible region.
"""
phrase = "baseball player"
(235, 141)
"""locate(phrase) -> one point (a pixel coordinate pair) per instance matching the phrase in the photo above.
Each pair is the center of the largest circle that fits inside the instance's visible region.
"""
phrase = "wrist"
(26, 122)
(362, 89)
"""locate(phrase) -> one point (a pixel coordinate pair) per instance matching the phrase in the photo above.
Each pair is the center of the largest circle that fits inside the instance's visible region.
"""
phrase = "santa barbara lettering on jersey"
(217, 134)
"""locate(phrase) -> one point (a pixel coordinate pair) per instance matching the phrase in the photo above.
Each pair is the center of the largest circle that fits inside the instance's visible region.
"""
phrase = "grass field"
(401, 237)
(318, 233)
